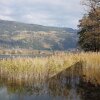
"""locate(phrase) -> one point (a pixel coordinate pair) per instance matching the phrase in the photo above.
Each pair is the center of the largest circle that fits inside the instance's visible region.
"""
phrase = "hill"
(31, 36)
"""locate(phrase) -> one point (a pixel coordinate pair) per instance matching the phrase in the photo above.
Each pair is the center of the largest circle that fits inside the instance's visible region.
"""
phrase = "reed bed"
(91, 67)
(42, 68)
(38, 68)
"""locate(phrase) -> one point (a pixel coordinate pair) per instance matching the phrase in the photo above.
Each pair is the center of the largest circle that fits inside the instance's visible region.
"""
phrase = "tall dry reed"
(42, 68)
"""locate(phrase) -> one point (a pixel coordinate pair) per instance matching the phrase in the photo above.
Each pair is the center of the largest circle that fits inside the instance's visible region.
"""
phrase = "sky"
(59, 13)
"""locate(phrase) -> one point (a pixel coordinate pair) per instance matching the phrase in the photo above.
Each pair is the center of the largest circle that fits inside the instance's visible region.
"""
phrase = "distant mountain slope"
(20, 35)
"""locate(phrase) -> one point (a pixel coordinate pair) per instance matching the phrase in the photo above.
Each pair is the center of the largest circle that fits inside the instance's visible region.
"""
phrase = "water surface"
(2, 56)
(66, 85)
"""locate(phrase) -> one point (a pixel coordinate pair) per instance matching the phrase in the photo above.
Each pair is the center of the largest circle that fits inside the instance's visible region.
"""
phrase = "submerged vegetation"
(42, 68)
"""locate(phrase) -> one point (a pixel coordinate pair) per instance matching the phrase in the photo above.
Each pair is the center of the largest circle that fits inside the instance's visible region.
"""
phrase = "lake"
(66, 85)
(2, 56)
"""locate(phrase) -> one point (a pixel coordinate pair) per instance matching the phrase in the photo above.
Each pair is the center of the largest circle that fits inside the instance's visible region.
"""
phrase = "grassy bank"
(42, 68)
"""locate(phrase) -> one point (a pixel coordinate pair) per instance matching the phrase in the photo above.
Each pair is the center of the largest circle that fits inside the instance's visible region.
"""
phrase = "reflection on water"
(67, 85)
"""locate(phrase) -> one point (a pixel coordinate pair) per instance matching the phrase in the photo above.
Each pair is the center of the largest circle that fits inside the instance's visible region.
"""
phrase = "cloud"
(65, 13)
(6, 17)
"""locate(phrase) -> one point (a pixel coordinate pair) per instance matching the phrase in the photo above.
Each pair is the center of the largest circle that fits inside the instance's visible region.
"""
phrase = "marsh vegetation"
(42, 68)
(71, 76)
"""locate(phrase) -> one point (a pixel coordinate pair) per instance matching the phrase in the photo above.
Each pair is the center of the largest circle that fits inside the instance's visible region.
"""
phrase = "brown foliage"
(89, 34)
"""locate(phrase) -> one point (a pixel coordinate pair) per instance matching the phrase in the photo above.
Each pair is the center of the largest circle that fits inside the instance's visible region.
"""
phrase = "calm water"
(66, 85)
(23, 55)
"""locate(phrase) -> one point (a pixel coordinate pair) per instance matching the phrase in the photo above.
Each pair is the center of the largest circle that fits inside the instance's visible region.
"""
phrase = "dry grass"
(91, 67)
(42, 68)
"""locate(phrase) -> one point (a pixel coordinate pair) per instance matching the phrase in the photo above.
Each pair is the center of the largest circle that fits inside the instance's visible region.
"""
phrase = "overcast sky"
(61, 13)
